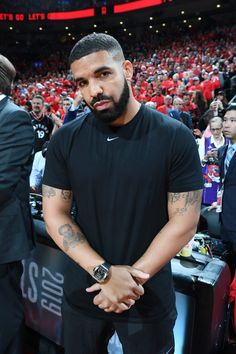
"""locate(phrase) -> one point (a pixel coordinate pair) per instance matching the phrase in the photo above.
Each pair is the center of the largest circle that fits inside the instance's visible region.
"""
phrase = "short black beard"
(111, 114)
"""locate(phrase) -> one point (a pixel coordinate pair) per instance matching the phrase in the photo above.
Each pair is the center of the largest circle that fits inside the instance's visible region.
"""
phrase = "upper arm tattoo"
(66, 195)
(48, 191)
(71, 238)
(187, 199)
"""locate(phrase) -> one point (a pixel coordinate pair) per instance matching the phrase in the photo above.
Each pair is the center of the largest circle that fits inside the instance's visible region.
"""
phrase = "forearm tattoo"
(192, 198)
(71, 238)
(48, 191)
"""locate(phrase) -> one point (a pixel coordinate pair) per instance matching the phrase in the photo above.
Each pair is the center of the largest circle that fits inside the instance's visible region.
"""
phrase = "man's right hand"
(121, 290)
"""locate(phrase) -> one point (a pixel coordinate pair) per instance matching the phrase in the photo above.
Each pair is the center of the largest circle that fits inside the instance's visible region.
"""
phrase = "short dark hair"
(39, 97)
(7, 75)
(231, 107)
(96, 42)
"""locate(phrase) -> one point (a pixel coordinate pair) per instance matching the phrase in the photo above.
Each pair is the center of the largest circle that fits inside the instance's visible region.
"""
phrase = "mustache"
(99, 98)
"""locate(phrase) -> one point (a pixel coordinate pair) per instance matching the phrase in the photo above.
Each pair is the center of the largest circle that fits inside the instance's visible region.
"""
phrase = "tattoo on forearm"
(48, 191)
(192, 198)
(66, 195)
(71, 238)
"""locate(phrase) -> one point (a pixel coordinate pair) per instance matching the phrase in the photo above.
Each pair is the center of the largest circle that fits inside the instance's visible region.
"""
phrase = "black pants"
(87, 335)
(11, 307)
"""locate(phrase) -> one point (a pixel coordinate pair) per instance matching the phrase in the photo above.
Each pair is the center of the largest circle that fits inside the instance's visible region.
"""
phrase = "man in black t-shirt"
(136, 179)
(43, 125)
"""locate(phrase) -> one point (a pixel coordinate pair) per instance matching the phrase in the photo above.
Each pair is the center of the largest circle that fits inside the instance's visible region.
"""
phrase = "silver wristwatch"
(101, 272)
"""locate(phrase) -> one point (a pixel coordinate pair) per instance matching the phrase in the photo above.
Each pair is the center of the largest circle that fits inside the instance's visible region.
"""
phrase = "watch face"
(101, 272)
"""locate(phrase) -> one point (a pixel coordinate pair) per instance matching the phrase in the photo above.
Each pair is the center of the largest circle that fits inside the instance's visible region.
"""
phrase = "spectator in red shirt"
(192, 109)
(167, 107)
(180, 91)
(149, 93)
(207, 87)
(173, 84)
(165, 83)
(158, 97)
(137, 93)
(53, 99)
(196, 85)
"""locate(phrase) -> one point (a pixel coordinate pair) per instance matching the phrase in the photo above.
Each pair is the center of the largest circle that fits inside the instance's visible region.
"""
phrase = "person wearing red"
(195, 86)
(207, 87)
(167, 106)
(173, 84)
(165, 83)
(158, 97)
(136, 92)
(53, 99)
(192, 109)
(149, 93)
(142, 83)
(180, 91)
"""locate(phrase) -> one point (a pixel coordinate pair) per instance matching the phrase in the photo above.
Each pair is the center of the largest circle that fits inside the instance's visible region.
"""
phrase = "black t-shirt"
(42, 131)
(120, 179)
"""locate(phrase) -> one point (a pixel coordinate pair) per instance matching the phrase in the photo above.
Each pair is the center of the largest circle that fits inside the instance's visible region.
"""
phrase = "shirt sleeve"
(185, 172)
(56, 169)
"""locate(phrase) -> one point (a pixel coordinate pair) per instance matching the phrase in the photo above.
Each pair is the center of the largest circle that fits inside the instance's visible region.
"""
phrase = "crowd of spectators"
(189, 79)
(196, 70)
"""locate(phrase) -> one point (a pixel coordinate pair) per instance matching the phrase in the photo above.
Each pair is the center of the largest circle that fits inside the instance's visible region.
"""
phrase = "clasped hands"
(121, 291)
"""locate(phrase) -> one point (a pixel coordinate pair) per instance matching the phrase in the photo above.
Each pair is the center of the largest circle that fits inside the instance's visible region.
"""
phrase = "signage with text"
(86, 13)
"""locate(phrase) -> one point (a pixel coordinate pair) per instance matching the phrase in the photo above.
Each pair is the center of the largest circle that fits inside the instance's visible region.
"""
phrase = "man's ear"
(128, 69)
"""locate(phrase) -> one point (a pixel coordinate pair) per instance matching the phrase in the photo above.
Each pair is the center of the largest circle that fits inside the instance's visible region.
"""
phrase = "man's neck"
(37, 116)
(132, 109)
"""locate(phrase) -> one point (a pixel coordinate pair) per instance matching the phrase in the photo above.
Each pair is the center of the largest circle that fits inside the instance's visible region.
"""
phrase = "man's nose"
(225, 124)
(95, 89)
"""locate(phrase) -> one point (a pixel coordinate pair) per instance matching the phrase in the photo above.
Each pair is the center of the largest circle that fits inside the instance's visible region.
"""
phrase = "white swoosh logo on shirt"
(110, 139)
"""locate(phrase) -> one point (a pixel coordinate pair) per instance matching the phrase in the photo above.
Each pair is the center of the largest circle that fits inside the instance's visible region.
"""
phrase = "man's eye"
(80, 84)
(105, 74)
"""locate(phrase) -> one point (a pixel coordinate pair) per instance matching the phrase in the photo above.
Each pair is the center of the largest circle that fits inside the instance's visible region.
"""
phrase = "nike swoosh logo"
(110, 139)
